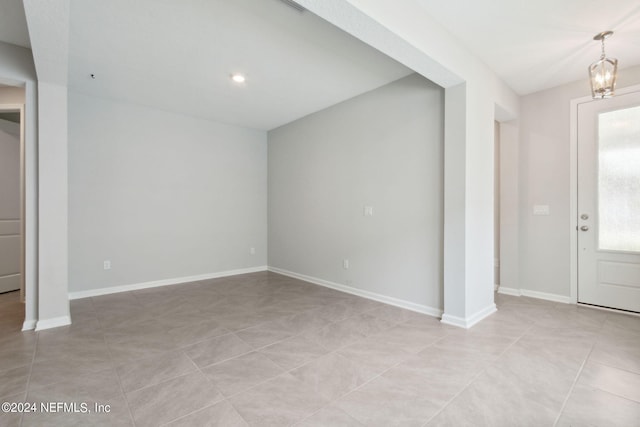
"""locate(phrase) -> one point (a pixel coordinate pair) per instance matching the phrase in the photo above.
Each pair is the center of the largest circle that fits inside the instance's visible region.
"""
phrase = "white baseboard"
(509, 291)
(29, 325)
(467, 322)
(164, 282)
(424, 309)
(535, 294)
(53, 323)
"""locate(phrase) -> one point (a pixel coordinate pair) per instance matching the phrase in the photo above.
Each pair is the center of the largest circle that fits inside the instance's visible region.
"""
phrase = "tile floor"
(268, 350)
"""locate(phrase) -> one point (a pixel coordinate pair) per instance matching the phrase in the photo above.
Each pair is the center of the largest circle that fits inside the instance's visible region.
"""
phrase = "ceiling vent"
(294, 5)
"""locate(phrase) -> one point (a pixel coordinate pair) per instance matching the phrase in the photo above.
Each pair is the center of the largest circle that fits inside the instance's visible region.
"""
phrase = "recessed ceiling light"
(238, 78)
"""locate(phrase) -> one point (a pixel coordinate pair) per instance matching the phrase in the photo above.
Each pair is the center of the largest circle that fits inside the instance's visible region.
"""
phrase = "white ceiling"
(538, 44)
(13, 24)
(178, 56)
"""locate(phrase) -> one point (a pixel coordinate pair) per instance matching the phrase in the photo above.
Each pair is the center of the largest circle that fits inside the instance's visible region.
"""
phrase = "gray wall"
(544, 241)
(382, 149)
(161, 195)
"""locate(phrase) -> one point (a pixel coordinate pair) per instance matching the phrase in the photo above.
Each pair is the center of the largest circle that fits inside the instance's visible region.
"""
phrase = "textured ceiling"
(538, 44)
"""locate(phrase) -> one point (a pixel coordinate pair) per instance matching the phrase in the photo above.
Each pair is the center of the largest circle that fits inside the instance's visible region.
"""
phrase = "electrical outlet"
(368, 211)
(107, 265)
(345, 264)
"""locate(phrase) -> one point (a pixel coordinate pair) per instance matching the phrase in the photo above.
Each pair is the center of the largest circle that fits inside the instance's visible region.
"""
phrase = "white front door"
(609, 202)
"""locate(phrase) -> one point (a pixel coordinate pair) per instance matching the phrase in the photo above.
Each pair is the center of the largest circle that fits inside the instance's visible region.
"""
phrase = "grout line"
(475, 377)
(227, 398)
(573, 385)
(206, 377)
(33, 360)
(115, 369)
(375, 376)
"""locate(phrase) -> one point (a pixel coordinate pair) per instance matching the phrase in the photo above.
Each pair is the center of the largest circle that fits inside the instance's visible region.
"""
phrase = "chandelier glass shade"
(603, 72)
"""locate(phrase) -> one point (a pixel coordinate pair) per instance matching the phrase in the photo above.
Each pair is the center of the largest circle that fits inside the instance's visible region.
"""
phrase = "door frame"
(20, 109)
(573, 184)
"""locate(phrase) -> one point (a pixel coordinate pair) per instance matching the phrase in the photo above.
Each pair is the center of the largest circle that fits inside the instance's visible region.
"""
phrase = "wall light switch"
(368, 211)
(345, 264)
(541, 209)
(107, 265)
(252, 251)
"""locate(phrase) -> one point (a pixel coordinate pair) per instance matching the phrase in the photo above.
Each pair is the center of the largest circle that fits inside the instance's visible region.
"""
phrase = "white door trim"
(573, 184)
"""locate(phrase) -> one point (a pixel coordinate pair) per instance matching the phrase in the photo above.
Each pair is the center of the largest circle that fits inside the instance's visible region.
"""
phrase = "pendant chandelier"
(603, 72)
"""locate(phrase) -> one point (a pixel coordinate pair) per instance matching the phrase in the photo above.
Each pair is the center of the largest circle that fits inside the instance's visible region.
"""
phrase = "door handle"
(584, 228)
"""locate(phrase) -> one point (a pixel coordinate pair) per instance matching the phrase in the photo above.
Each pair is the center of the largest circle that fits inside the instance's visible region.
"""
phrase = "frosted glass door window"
(619, 180)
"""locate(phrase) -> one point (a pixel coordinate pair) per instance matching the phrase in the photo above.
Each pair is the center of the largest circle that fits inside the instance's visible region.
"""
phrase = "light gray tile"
(80, 346)
(176, 320)
(221, 414)
(172, 399)
(92, 388)
(618, 352)
(57, 370)
(383, 403)
(337, 311)
(412, 338)
(367, 324)
(565, 343)
(493, 401)
(438, 376)
(591, 407)
(303, 322)
(18, 341)
(336, 335)
(485, 346)
(374, 354)
(241, 373)
(394, 314)
(498, 325)
(216, 350)
(187, 335)
(333, 375)
(115, 413)
(281, 401)
(624, 321)
(138, 329)
(572, 317)
(612, 380)
(330, 416)
(10, 359)
(264, 334)
(123, 316)
(12, 419)
(145, 372)
(238, 320)
(293, 352)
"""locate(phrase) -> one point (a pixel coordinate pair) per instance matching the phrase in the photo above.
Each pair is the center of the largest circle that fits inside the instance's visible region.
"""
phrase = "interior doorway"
(12, 246)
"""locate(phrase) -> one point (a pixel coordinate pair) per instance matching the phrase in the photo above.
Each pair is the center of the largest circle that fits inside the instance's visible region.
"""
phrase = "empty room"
(319, 213)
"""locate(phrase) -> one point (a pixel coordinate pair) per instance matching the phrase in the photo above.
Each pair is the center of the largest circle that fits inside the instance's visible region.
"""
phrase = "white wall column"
(455, 295)
(53, 268)
(468, 207)
(48, 23)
